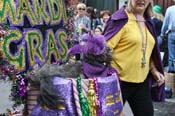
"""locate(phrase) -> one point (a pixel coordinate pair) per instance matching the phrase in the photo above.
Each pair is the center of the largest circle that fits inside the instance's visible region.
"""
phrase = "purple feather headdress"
(96, 56)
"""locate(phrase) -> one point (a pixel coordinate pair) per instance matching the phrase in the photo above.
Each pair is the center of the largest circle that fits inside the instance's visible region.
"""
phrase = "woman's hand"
(158, 77)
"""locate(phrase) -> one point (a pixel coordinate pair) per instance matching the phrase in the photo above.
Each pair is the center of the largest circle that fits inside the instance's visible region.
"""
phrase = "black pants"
(138, 97)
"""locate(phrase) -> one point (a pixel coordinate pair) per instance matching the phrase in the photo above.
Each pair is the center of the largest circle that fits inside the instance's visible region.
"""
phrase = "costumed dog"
(95, 59)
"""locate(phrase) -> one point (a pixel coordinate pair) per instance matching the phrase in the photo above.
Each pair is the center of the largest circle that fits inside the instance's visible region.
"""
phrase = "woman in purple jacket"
(136, 56)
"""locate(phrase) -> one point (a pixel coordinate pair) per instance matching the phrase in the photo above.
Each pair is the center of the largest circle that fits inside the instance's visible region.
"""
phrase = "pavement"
(166, 108)
(5, 103)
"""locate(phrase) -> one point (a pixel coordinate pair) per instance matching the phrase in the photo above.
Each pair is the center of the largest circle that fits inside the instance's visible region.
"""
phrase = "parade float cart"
(99, 96)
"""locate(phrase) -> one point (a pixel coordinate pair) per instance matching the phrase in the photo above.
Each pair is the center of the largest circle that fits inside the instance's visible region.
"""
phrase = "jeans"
(171, 52)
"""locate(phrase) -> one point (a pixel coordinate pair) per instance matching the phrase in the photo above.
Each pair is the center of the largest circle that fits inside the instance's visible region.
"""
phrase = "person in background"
(168, 29)
(82, 23)
(104, 15)
(98, 30)
(93, 15)
(157, 19)
(130, 32)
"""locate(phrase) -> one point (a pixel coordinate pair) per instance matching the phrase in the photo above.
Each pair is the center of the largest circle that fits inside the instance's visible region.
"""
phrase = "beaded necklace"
(144, 43)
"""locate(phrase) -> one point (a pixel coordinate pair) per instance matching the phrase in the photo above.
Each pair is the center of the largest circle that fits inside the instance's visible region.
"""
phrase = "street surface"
(160, 109)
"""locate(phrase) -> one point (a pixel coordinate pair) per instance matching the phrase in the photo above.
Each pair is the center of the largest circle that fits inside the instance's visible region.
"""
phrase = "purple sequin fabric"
(64, 88)
(109, 97)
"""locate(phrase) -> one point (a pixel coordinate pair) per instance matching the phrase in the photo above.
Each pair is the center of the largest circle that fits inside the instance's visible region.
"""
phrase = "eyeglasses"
(81, 8)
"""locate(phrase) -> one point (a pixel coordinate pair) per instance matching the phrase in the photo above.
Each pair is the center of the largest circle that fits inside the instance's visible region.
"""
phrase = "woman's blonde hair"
(81, 5)
(148, 11)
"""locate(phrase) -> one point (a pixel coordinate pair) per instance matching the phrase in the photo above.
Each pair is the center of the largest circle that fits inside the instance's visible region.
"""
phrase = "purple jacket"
(115, 23)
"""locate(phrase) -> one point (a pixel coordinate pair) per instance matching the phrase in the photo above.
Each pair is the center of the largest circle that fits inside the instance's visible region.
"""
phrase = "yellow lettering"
(25, 8)
(19, 58)
(55, 11)
(52, 46)
(7, 10)
(40, 11)
(62, 36)
(34, 42)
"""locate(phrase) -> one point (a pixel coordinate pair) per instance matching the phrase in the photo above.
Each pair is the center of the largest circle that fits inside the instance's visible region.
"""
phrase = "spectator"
(157, 19)
(129, 32)
(105, 15)
(92, 14)
(168, 29)
(82, 22)
(98, 30)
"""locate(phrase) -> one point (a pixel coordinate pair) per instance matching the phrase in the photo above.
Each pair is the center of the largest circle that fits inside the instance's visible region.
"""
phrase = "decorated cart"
(95, 97)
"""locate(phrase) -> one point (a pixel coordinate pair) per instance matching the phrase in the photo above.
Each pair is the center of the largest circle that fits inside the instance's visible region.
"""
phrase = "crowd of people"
(87, 19)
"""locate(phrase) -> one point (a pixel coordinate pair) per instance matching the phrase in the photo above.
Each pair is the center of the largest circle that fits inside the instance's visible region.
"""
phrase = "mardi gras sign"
(36, 33)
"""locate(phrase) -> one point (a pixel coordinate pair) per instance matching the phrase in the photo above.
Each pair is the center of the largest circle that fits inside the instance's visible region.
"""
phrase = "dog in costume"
(94, 62)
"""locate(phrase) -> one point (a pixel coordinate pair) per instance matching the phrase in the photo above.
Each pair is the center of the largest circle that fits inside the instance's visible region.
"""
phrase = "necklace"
(144, 44)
